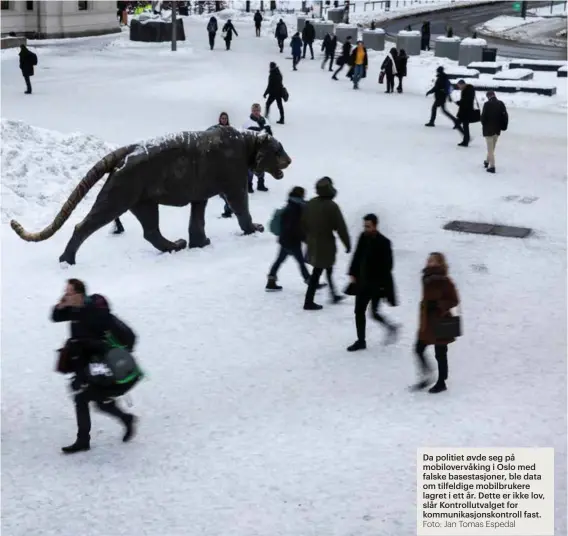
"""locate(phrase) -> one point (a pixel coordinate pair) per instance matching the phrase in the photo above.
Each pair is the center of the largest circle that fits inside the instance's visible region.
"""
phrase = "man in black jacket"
(27, 62)
(441, 91)
(308, 37)
(281, 34)
(465, 110)
(257, 22)
(90, 322)
(274, 91)
(494, 120)
(371, 277)
(344, 58)
(328, 46)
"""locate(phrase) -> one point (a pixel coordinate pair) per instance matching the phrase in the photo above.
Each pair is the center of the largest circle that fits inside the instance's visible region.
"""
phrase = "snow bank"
(558, 10)
(474, 42)
(408, 33)
(444, 39)
(41, 167)
(536, 30)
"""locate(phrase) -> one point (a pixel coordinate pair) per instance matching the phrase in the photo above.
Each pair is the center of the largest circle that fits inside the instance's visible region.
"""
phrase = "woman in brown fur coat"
(439, 296)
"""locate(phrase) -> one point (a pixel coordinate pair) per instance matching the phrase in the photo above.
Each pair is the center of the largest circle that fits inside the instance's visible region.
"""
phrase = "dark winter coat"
(440, 88)
(212, 26)
(329, 44)
(345, 54)
(425, 30)
(27, 61)
(389, 65)
(257, 19)
(466, 103)
(354, 55)
(281, 31)
(322, 217)
(494, 117)
(274, 87)
(291, 230)
(308, 33)
(296, 45)
(439, 296)
(401, 61)
(258, 124)
(372, 266)
(230, 29)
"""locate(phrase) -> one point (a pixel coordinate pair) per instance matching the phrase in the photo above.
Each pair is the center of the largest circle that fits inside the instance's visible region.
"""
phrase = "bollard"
(447, 47)
(374, 39)
(410, 41)
(471, 49)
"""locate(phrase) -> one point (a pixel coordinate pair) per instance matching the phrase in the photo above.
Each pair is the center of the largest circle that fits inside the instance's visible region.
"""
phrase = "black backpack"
(116, 368)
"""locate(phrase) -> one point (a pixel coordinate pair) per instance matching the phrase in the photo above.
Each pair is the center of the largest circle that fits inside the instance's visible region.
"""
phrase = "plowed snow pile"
(41, 167)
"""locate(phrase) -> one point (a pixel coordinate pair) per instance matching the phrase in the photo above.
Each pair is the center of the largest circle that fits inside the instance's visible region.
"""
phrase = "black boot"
(438, 387)
(490, 170)
(271, 284)
(280, 121)
(130, 422)
(337, 299)
(260, 186)
(226, 214)
(312, 307)
(250, 189)
(81, 445)
(357, 345)
(118, 227)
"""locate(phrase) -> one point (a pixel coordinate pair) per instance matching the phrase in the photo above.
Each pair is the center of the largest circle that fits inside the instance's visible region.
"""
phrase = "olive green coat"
(321, 218)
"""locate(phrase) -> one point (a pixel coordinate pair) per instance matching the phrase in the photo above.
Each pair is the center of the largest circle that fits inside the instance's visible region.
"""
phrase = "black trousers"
(339, 69)
(211, 40)
(442, 106)
(228, 44)
(362, 301)
(441, 354)
(464, 128)
(390, 82)
(281, 45)
(278, 100)
(257, 29)
(283, 255)
(328, 57)
(399, 88)
(306, 45)
(314, 282)
(295, 61)
(28, 83)
(104, 403)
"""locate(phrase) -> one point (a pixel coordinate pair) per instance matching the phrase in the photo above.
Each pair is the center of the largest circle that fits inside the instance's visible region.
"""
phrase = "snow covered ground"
(558, 10)
(254, 418)
(540, 30)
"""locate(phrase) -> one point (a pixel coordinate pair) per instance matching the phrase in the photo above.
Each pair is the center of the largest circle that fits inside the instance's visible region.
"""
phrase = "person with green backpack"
(286, 224)
(98, 354)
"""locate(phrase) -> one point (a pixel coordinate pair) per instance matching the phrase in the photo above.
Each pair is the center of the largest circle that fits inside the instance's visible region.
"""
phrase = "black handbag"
(285, 94)
(448, 327)
(475, 115)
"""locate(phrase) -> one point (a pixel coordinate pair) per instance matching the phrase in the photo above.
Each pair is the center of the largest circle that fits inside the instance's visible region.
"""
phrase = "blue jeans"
(259, 176)
(357, 74)
(283, 255)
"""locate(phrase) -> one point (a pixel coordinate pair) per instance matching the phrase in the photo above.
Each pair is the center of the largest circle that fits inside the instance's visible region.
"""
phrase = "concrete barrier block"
(343, 31)
(374, 39)
(447, 47)
(12, 42)
(409, 41)
(335, 15)
(322, 28)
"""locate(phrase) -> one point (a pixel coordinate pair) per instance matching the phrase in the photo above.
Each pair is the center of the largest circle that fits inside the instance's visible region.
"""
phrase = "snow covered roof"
(474, 42)
(444, 39)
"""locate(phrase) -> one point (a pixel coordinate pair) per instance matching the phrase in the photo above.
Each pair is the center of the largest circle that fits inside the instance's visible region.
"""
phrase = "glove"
(77, 385)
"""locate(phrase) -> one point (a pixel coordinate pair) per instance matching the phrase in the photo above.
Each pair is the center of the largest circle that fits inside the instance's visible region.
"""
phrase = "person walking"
(224, 122)
(257, 22)
(296, 46)
(371, 276)
(359, 62)
(425, 36)
(494, 120)
(257, 123)
(228, 31)
(322, 218)
(389, 68)
(442, 92)
(328, 47)
(28, 60)
(212, 28)
(90, 322)
(290, 238)
(281, 34)
(466, 112)
(344, 58)
(308, 37)
(401, 69)
(439, 296)
(274, 91)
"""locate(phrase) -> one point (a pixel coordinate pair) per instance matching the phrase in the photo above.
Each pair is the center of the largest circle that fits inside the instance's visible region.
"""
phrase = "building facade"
(56, 19)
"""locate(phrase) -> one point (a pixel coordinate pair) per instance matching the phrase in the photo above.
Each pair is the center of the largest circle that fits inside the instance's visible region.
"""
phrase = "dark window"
(30, 6)
(5, 5)
(83, 6)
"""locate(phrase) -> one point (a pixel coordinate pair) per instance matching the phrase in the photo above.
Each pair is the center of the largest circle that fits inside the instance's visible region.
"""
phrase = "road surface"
(464, 21)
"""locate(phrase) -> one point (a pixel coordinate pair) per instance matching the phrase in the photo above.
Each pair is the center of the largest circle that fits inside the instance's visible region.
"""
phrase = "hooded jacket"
(27, 61)
(291, 231)
(274, 87)
(212, 25)
(296, 45)
(281, 30)
(322, 217)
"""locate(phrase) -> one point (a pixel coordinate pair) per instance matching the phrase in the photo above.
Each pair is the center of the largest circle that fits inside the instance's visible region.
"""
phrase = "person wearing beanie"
(442, 90)
(275, 91)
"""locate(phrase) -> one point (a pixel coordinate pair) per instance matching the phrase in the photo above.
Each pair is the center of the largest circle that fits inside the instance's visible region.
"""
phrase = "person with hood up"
(308, 37)
(344, 58)
(212, 28)
(275, 91)
(389, 68)
(224, 122)
(28, 60)
(321, 219)
(228, 31)
(290, 238)
(328, 47)
(257, 123)
(358, 61)
(257, 22)
(442, 89)
(401, 62)
(296, 46)
(439, 297)
(281, 34)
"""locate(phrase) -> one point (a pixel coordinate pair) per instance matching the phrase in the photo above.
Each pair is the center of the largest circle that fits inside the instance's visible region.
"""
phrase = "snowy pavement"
(255, 421)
